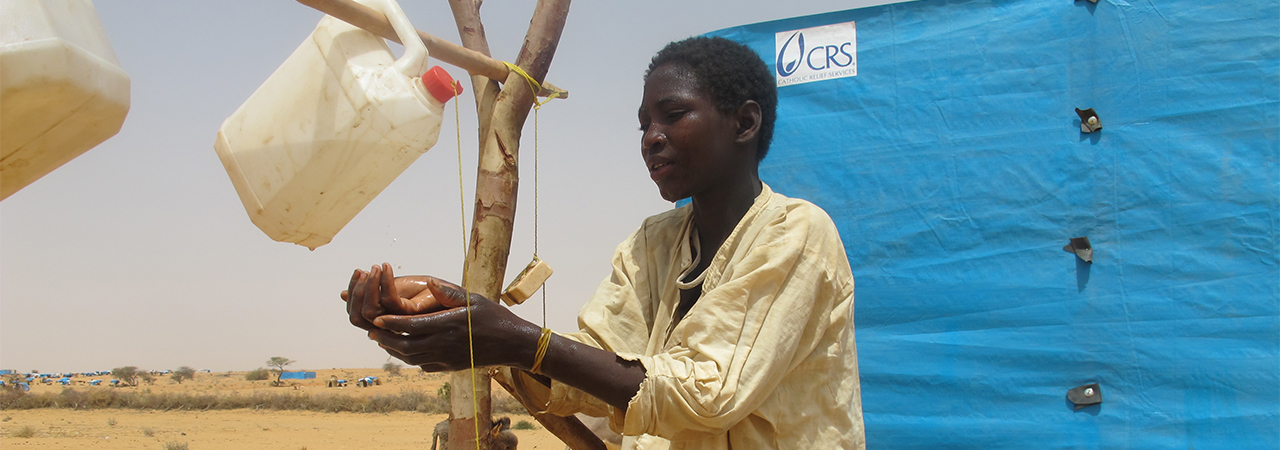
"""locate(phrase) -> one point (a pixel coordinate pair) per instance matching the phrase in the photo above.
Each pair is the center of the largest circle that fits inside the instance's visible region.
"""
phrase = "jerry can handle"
(414, 60)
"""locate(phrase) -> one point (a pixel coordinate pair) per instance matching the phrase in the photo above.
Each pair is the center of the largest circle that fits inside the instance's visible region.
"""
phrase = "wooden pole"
(375, 22)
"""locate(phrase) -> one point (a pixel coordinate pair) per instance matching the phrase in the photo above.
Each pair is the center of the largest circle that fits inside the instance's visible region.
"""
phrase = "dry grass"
(409, 392)
(405, 400)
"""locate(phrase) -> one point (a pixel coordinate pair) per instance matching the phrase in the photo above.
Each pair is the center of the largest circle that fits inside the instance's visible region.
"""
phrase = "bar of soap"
(529, 281)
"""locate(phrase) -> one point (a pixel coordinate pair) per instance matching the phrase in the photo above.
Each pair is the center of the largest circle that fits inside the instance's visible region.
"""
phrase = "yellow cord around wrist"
(543, 342)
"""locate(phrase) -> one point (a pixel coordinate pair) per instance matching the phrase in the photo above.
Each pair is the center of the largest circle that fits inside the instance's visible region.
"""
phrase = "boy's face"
(688, 145)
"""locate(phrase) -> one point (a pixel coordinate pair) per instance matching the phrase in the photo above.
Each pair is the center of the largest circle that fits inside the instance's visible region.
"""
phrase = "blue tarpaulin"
(956, 169)
(297, 375)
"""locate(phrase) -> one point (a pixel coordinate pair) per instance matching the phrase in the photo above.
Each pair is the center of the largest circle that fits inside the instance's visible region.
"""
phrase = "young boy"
(726, 323)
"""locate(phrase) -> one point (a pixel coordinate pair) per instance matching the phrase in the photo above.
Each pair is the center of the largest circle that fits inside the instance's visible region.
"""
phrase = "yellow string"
(462, 206)
(543, 341)
(535, 206)
(535, 87)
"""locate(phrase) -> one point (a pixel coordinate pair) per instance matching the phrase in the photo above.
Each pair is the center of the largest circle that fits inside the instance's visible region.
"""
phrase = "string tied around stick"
(535, 86)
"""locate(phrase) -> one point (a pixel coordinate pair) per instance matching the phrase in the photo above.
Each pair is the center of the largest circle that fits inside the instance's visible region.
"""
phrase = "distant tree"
(278, 362)
(128, 375)
(392, 368)
(258, 374)
(11, 381)
(183, 373)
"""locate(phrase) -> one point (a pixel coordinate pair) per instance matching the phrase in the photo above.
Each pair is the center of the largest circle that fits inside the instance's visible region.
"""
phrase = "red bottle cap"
(440, 84)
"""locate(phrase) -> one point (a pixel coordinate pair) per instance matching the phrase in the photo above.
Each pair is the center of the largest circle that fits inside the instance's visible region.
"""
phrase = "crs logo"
(814, 54)
(788, 68)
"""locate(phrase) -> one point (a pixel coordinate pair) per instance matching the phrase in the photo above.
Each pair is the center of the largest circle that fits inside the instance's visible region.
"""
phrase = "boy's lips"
(660, 169)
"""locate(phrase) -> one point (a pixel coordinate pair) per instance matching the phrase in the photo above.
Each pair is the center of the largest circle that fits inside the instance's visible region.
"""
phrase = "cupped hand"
(378, 291)
(440, 341)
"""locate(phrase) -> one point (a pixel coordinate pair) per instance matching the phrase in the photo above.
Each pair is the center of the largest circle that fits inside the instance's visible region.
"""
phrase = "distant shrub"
(148, 432)
(392, 368)
(25, 432)
(183, 373)
(11, 381)
(175, 446)
(523, 425)
(258, 374)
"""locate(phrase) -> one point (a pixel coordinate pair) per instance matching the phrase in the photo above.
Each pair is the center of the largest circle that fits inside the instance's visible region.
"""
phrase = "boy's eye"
(675, 115)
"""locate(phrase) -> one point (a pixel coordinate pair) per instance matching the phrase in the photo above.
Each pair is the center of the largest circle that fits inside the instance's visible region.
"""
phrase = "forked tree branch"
(501, 115)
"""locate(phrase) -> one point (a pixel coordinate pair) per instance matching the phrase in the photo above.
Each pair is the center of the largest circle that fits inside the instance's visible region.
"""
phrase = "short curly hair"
(731, 73)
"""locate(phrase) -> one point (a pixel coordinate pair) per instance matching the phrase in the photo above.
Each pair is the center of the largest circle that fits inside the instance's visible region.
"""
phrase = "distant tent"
(297, 375)
(955, 166)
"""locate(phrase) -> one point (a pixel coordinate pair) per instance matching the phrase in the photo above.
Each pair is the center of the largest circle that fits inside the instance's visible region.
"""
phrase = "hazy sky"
(139, 252)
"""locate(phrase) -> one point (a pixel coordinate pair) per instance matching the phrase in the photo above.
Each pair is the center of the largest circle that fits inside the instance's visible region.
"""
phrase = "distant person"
(726, 323)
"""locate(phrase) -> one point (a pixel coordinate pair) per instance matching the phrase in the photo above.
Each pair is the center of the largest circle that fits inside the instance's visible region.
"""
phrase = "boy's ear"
(749, 118)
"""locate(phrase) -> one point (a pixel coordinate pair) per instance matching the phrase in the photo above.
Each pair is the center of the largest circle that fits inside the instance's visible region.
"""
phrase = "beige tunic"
(764, 359)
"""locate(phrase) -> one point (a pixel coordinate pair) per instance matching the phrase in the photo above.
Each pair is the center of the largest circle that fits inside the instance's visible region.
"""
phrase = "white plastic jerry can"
(332, 127)
(62, 91)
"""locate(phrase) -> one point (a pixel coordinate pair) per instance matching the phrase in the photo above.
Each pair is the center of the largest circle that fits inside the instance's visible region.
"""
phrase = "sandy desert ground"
(58, 428)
